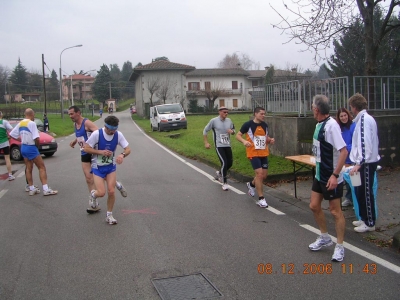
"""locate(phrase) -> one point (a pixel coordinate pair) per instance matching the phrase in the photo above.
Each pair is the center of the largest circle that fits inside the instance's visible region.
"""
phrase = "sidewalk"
(388, 223)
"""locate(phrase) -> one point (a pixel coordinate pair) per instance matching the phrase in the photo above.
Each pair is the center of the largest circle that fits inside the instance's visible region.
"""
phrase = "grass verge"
(190, 144)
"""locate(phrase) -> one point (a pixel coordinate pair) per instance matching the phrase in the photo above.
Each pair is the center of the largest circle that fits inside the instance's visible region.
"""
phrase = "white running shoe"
(319, 243)
(27, 188)
(34, 191)
(364, 228)
(358, 223)
(338, 253)
(218, 176)
(121, 189)
(225, 187)
(262, 203)
(10, 177)
(110, 220)
(50, 192)
(93, 201)
(347, 202)
(252, 190)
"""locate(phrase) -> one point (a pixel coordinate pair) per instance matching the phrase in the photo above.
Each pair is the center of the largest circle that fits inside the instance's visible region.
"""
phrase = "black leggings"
(226, 159)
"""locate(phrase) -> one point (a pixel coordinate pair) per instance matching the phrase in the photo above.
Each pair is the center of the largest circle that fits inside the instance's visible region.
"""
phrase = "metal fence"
(381, 92)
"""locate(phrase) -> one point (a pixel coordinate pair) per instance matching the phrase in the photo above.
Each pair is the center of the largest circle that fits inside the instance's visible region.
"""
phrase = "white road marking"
(3, 192)
(359, 251)
(275, 211)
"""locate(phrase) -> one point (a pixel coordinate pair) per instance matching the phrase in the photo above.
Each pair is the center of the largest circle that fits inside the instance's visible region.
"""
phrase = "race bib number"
(316, 150)
(224, 138)
(81, 142)
(104, 160)
(260, 141)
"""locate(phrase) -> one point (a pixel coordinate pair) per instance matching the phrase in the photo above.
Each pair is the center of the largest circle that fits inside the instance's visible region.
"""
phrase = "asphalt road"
(175, 221)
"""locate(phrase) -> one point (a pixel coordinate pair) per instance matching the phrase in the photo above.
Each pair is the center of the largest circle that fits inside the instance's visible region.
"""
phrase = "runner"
(222, 128)
(83, 128)
(102, 144)
(28, 133)
(257, 152)
(5, 144)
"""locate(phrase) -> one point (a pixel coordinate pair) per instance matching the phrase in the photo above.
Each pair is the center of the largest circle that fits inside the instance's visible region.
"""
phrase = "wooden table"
(301, 162)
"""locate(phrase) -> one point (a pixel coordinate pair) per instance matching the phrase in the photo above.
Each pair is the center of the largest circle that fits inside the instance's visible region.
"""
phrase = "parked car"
(47, 144)
(39, 123)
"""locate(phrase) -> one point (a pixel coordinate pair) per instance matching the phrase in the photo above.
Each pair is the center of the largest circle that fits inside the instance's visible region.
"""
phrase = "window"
(207, 85)
(194, 86)
(254, 83)
(234, 85)
(221, 102)
(235, 102)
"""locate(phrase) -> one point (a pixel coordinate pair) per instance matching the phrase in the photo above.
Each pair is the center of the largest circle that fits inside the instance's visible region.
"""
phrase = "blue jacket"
(347, 134)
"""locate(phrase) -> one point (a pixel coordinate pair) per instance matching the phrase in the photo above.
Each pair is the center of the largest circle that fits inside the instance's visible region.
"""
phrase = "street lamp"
(62, 104)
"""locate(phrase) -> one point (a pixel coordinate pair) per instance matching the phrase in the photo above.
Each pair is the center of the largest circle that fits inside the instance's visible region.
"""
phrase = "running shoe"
(358, 223)
(225, 186)
(218, 176)
(34, 191)
(319, 243)
(110, 220)
(121, 189)
(93, 201)
(338, 254)
(252, 190)
(347, 202)
(262, 203)
(364, 228)
(10, 177)
(50, 192)
(27, 188)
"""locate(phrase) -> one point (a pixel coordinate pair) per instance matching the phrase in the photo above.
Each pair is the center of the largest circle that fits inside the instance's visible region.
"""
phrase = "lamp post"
(62, 103)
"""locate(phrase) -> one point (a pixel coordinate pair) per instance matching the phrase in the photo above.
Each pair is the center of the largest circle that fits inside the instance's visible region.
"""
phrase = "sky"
(191, 32)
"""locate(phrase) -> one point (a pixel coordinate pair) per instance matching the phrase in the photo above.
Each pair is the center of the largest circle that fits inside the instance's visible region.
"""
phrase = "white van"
(167, 117)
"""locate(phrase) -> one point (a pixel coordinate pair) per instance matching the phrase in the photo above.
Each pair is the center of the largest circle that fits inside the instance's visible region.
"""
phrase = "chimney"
(266, 68)
(294, 70)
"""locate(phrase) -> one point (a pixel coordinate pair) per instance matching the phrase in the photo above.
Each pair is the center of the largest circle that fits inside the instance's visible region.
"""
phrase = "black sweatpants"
(226, 158)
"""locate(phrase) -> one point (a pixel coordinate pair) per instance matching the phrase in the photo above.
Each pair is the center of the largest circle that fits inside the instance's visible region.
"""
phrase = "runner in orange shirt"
(257, 151)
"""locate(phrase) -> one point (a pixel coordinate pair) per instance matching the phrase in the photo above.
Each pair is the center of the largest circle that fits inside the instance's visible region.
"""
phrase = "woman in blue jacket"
(345, 120)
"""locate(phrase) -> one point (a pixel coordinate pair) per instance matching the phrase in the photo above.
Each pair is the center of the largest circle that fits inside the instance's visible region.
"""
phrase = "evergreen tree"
(52, 87)
(129, 90)
(19, 78)
(100, 86)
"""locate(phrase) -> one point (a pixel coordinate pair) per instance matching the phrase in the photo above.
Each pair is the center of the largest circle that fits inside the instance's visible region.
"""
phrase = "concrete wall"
(293, 136)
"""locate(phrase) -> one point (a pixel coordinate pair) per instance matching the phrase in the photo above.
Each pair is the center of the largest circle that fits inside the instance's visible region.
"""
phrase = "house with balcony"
(226, 87)
(77, 87)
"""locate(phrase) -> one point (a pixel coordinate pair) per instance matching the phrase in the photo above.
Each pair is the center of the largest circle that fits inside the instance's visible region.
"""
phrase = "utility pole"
(44, 85)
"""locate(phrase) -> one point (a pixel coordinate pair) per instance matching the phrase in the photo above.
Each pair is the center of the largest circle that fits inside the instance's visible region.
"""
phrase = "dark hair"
(111, 120)
(258, 109)
(358, 102)
(350, 118)
(75, 108)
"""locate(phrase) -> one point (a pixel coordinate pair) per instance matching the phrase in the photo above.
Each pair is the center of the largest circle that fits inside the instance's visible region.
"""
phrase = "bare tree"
(166, 89)
(234, 61)
(212, 92)
(153, 84)
(316, 23)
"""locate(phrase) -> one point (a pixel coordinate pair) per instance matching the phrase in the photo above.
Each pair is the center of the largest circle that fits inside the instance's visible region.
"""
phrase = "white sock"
(45, 187)
(9, 174)
(109, 213)
(92, 193)
(32, 188)
(118, 185)
(325, 236)
(340, 245)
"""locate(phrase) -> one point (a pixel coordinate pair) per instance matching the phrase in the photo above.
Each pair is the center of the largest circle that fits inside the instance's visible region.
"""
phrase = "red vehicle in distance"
(47, 146)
